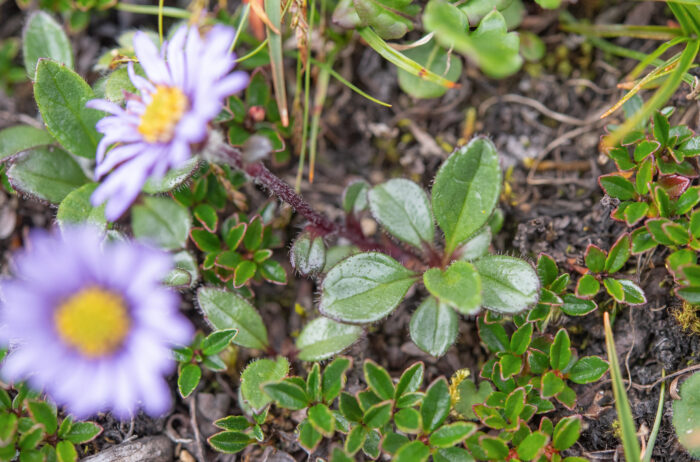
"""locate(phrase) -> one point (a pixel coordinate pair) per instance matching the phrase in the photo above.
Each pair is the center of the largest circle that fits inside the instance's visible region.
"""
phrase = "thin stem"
(241, 25)
(168, 11)
(160, 20)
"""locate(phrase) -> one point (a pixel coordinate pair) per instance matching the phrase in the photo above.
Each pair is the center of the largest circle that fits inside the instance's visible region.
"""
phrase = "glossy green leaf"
(46, 173)
(588, 369)
(477, 246)
(532, 446)
(466, 190)
(322, 338)
(509, 284)
(61, 95)
(230, 442)
(566, 433)
(634, 295)
(364, 288)
(226, 310)
(44, 414)
(436, 405)
(408, 420)
(65, 452)
(244, 271)
(355, 439)
(402, 207)
(82, 432)
(410, 380)
(587, 286)
(188, 379)
(378, 380)
(560, 351)
(619, 254)
(615, 289)
(547, 269)
(161, 221)
(434, 327)
(415, 451)
(458, 286)
(43, 37)
(233, 422)
(617, 186)
(333, 378)
(378, 415)
(322, 419)
(595, 258)
(574, 306)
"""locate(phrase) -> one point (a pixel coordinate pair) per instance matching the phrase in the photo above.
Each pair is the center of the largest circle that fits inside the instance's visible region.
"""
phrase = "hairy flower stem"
(321, 224)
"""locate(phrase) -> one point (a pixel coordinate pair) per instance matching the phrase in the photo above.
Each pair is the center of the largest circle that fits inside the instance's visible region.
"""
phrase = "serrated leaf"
(226, 310)
(61, 95)
(402, 207)
(43, 37)
(322, 338)
(434, 327)
(509, 284)
(466, 190)
(364, 288)
(162, 222)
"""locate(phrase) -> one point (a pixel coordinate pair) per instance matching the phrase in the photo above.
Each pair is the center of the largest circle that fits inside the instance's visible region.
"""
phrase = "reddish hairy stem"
(321, 224)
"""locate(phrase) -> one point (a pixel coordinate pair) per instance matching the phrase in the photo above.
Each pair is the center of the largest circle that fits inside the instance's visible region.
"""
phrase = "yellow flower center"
(94, 321)
(162, 114)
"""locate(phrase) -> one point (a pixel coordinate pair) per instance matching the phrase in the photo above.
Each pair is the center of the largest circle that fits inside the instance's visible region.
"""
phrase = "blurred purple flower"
(91, 324)
(186, 84)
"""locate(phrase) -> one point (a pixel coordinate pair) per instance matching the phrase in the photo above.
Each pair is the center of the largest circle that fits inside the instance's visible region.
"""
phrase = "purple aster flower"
(91, 324)
(186, 84)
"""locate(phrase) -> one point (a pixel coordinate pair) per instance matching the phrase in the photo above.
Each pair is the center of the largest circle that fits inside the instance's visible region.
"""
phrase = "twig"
(558, 116)
(195, 428)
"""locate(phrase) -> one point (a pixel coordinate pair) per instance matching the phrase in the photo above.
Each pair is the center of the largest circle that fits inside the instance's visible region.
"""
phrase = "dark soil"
(557, 209)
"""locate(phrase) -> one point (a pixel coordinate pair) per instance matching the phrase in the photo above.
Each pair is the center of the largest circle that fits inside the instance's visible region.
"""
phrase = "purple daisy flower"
(91, 324)
(186, 84)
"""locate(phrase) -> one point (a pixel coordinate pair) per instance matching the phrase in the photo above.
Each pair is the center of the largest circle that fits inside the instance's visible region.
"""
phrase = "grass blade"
(273, 10)
(627, 427)
(657, 423)
(348, 84)
(624, 30)
(400, 60)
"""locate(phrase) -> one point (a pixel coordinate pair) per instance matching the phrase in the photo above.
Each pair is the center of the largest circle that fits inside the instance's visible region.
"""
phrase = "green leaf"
(30, 438)
(685, 415)
(634, 212)
(313, 383)
(355, 439)
(466, 190)
(587, 286)
(436, 405)
(308, 254)
(322, 338)
(14, 140)
(435, 58)
(43, 37)
(364, 288)
(44, 414)
(393, 442)
(617, 186)
(46, 173)
(76, 208)
(161, 221)
(402, 207)
(552, 384)
(233, 422)
(410, 380)
(173, 179)
(574, 306)
(253, 234)
(226, 310)
(189, 378)
(378, 380)
(338, 455)
(494, 448)
(645, 174)
(434, 327)
(615, 289)
(634, 295)
(619, 254)
(566, 432)
(61, 95)
(349, 407)
(477, 246)
(82, 432)
(322, 419)
(645, 149)
(273, 272)
(468, 396)
(333, 378)
(255, 375)
(217, 341)
(209, 243)
(245, 270)
(560, 351)
(230, 442)
(408, 420)
(521, 339)
(490, 45)
(452, 434)
(587, 370)
(458, 286)
(384, 16)
(207, 216)
(547, 269)
(415, 451)
(509, 284)
(456, 454)
(378, 415)
(493, 335)
(532, 446)
(65, 452)
(510, 365)
(355, 197)
(595, 258)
